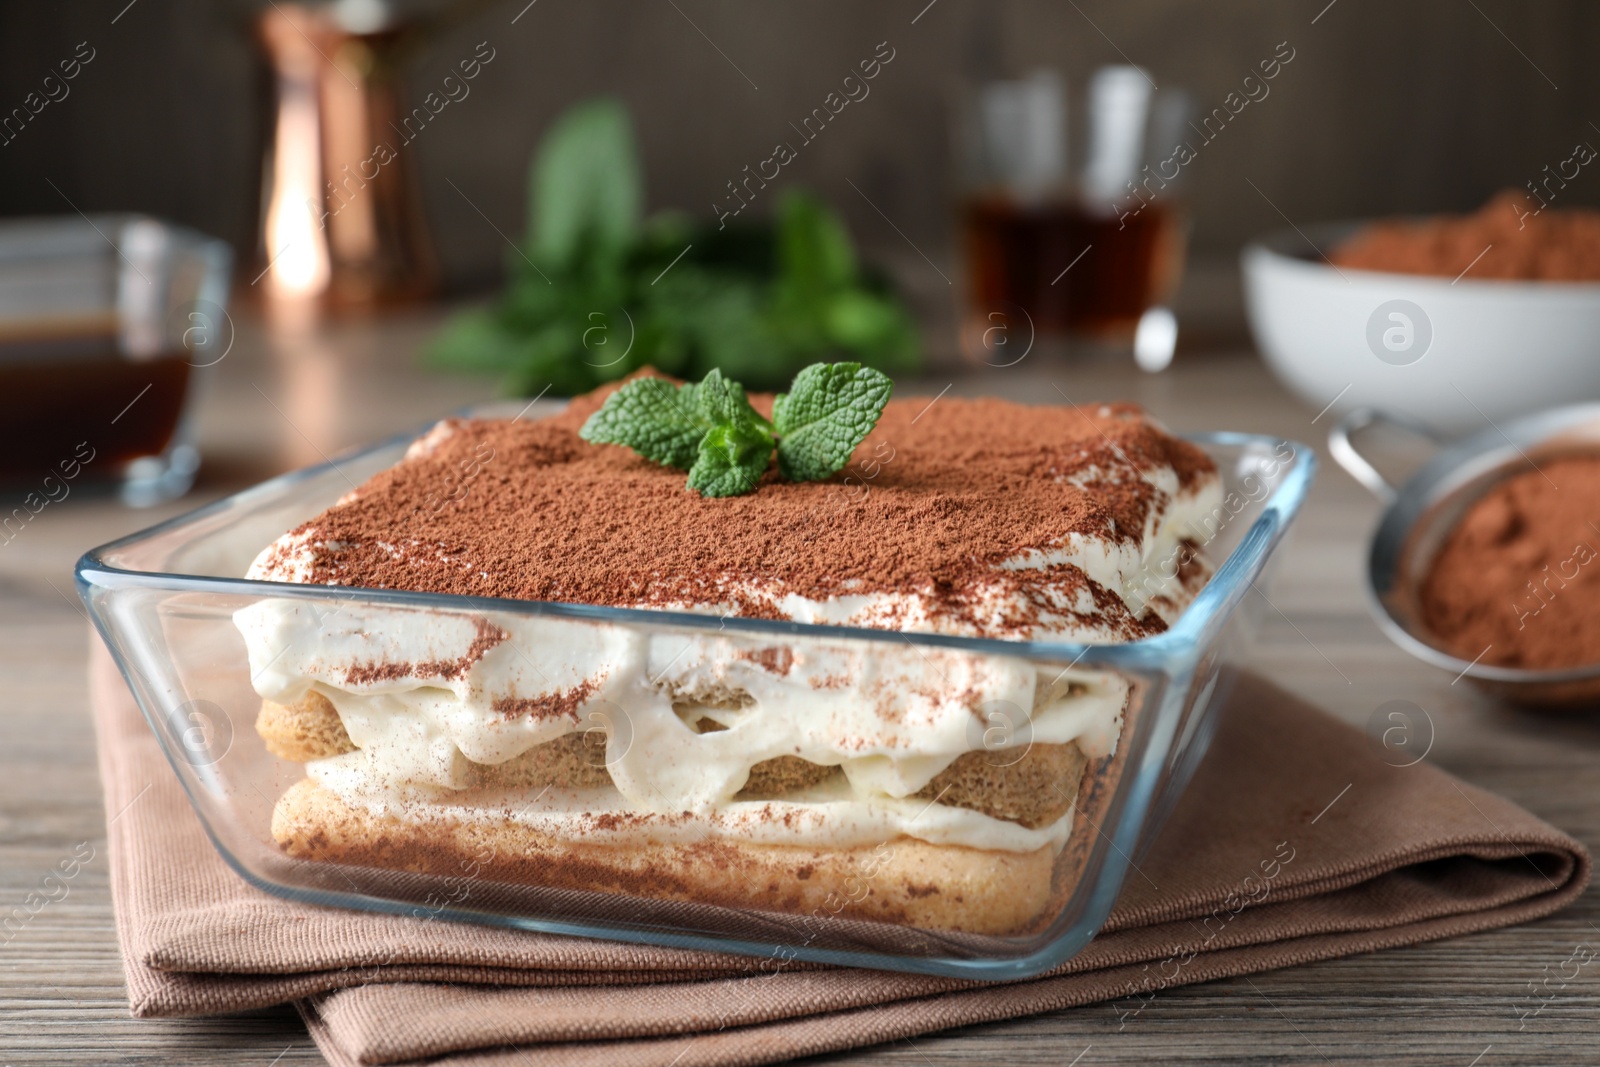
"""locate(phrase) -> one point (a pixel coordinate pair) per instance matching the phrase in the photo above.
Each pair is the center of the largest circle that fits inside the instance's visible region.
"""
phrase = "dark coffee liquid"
(1114, 269)
(65, 394)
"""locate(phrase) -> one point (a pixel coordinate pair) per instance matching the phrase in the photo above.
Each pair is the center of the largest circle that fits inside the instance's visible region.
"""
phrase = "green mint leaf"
(732, 459)
(829, 410)
(655, 418)
(719, 400)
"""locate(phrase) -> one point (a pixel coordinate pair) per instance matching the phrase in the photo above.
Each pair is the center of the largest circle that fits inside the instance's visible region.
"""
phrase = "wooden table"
(283, 398)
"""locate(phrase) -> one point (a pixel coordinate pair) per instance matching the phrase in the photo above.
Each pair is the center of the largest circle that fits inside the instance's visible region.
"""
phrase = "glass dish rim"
(1208, 611)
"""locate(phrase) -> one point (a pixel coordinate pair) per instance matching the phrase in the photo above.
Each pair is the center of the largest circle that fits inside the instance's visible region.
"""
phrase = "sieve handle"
(1342, 445)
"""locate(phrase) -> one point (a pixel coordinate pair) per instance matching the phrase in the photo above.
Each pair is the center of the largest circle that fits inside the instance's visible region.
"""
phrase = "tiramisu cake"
(876, 780)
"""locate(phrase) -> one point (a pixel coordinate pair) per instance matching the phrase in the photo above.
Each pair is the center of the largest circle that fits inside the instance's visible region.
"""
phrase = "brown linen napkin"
(1344, 853)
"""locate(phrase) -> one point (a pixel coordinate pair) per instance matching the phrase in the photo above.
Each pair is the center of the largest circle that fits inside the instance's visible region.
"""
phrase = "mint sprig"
(710, 429)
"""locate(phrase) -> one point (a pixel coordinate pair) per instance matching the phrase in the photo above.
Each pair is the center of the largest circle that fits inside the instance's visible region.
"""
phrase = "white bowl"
(1454, 354)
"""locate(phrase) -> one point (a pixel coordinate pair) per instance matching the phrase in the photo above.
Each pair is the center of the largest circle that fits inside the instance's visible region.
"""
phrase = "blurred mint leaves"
(711, 430)
(598, 291)
(585, 188)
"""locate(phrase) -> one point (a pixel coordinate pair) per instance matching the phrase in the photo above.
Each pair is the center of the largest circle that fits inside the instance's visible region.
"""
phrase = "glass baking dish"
(165, 602)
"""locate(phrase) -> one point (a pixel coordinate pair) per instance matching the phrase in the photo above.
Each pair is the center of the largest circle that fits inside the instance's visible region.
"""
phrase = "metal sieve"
(1421, 513)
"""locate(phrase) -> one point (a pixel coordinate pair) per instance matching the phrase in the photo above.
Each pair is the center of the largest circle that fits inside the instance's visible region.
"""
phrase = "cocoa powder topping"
(934, 500)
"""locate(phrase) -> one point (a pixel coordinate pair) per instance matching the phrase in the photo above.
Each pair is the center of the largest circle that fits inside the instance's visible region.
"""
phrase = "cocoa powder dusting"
(772, 660)
(1520, 574)
(561, 704)
(487, 637)
(930, 506)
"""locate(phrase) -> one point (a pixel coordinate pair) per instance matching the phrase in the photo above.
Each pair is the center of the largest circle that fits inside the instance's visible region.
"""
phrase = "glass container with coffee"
(1052, 250)
(105, 325)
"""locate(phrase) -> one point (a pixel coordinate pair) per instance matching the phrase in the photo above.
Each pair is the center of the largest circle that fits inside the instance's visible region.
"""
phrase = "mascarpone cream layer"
(891, 717)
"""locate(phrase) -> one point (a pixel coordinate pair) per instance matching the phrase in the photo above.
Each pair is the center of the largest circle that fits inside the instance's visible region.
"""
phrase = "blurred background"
(1387, 108)
(233, 120)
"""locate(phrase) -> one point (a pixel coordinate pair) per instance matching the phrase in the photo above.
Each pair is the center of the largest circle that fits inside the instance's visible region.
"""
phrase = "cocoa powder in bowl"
(1510, 238)
(1517, 581)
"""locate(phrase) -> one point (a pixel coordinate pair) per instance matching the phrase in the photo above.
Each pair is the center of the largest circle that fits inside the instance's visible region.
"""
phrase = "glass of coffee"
(1072, 219)
(106, 324)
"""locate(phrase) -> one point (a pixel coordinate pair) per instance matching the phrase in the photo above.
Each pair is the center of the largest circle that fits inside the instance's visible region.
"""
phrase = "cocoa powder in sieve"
(1520, 574)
